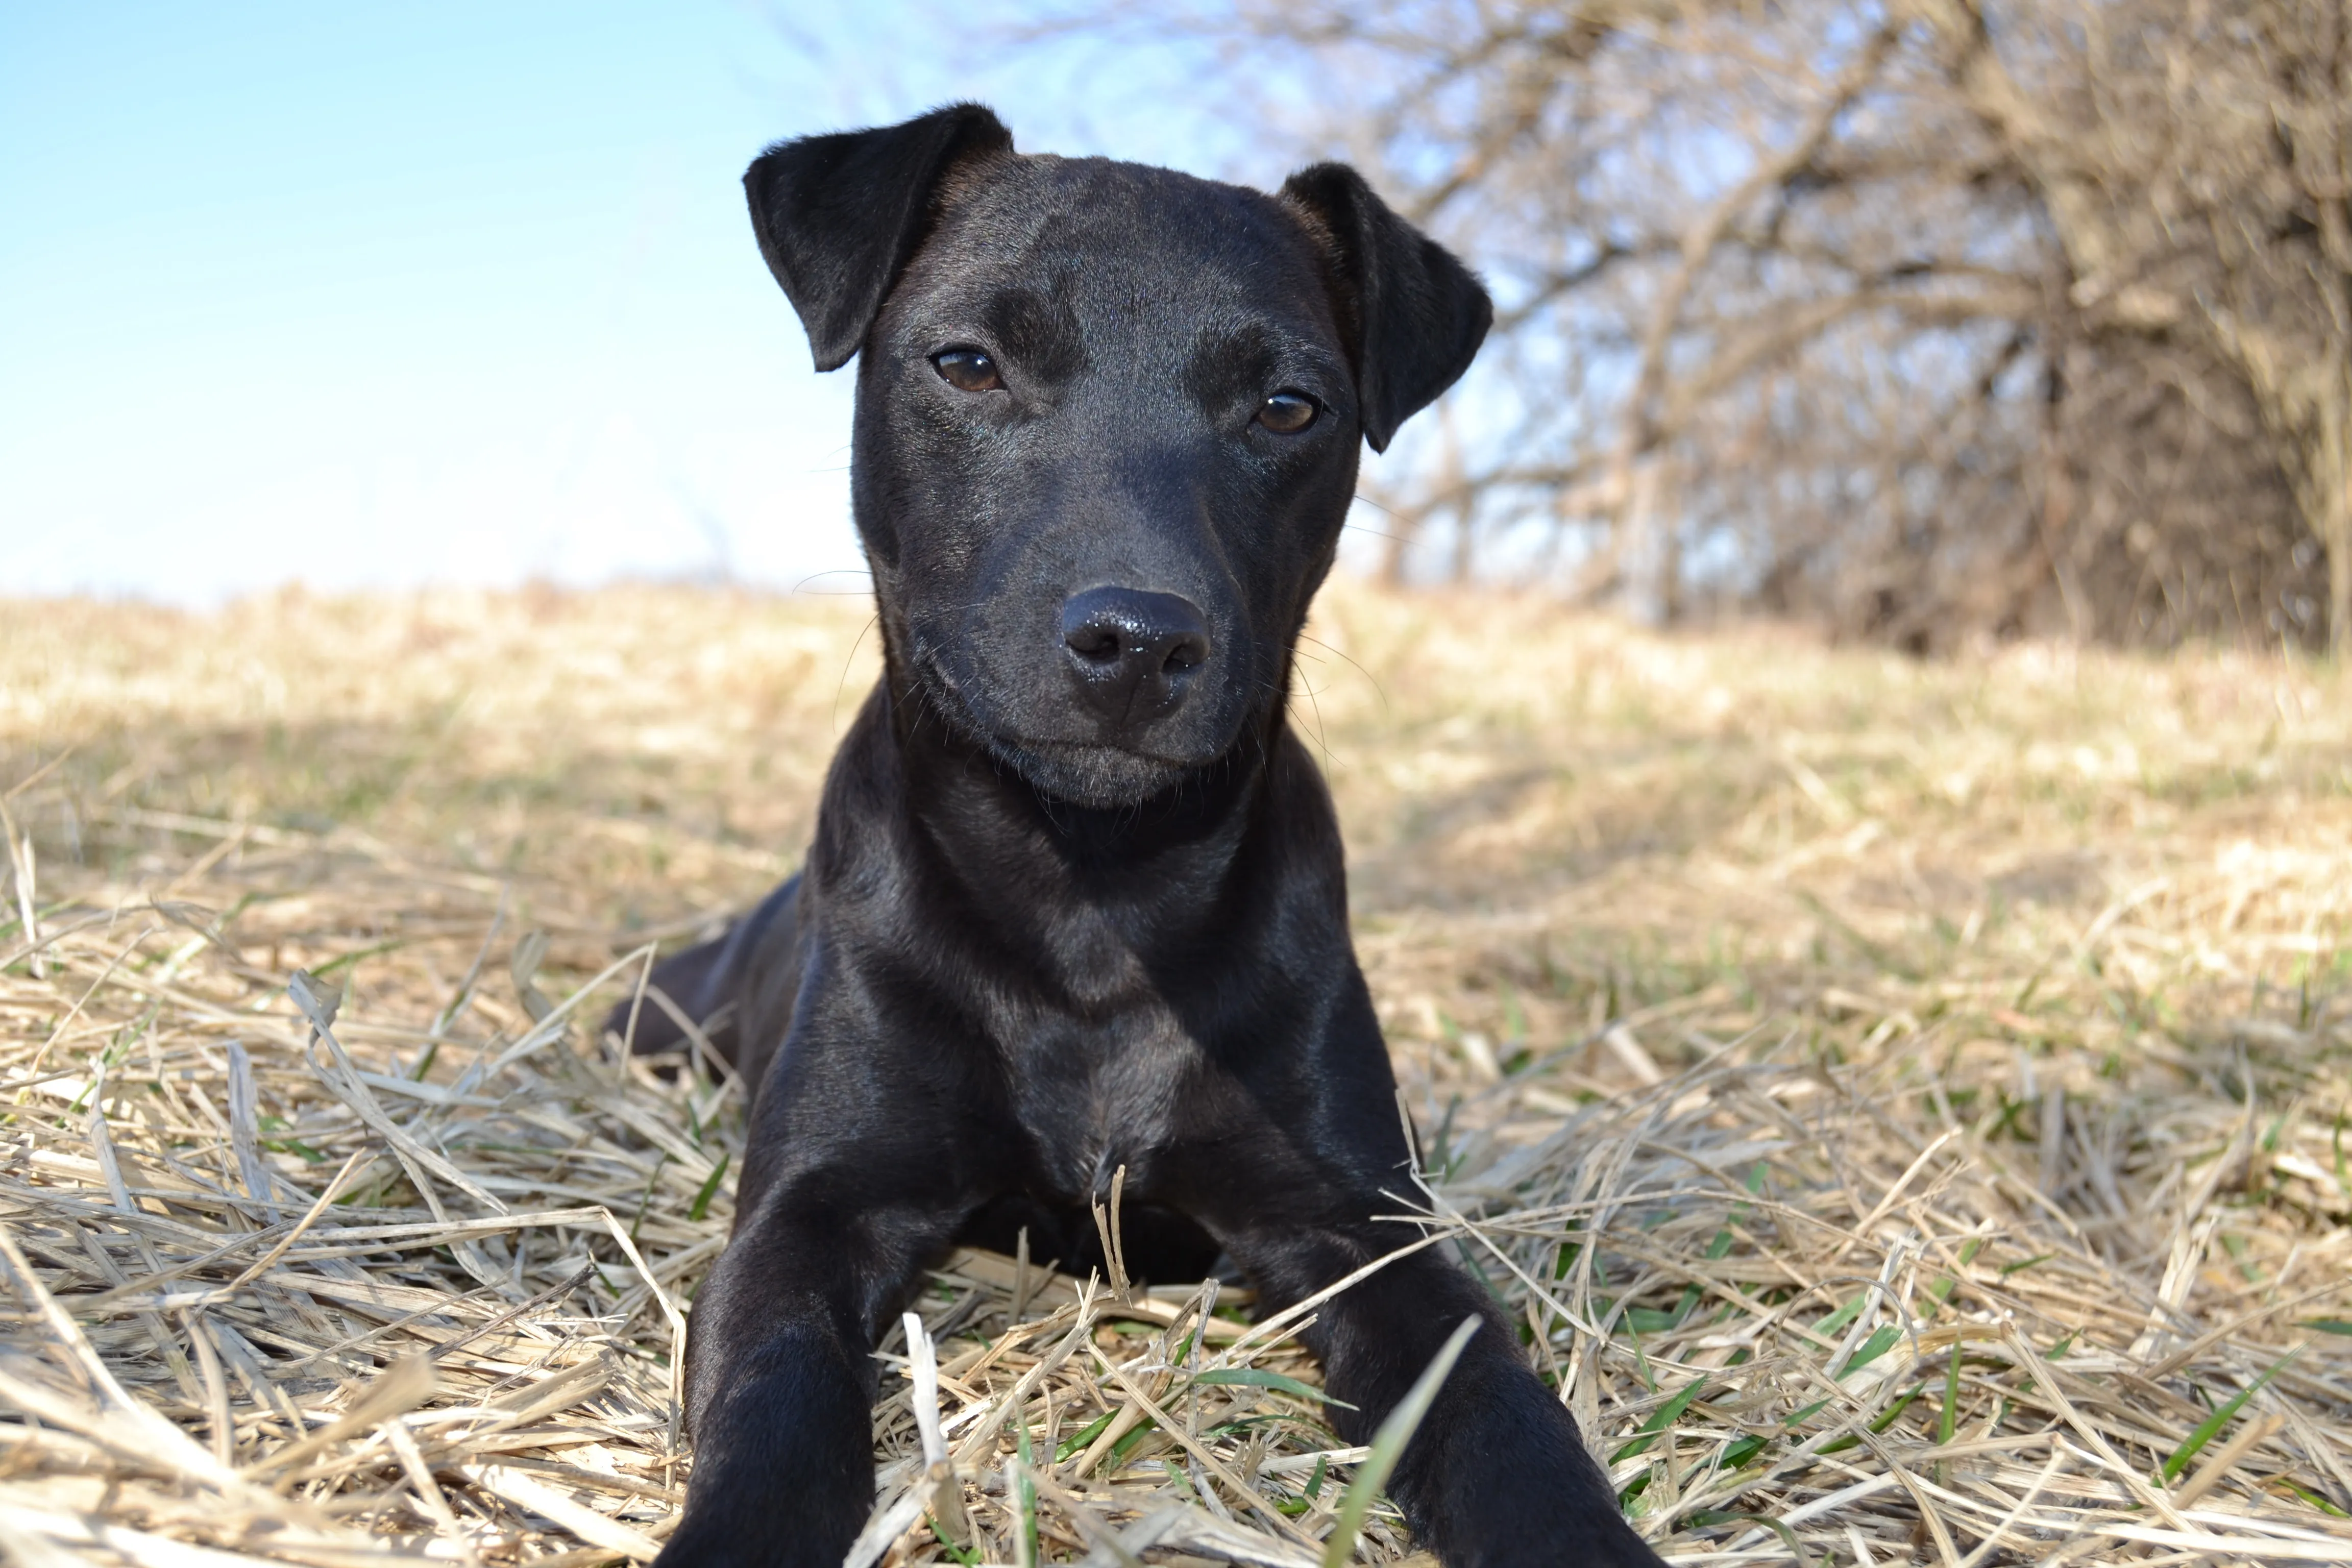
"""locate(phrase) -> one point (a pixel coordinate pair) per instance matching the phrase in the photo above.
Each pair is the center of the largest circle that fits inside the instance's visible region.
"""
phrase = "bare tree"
(1924, 316)
(2196, 163)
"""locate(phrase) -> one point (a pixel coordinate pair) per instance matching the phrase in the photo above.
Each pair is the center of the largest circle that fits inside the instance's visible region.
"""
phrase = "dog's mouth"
(1100, 777)
(1097, 773)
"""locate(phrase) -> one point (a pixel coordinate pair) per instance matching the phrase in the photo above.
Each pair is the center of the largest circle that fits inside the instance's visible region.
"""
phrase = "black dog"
(1076, 901)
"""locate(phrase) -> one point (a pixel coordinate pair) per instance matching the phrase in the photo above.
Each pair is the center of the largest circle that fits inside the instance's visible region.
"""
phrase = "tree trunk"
(2317, 426)
(2336, 485)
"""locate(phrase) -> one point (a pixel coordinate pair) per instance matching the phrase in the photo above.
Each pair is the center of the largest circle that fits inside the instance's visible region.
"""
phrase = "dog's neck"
(1170, 861)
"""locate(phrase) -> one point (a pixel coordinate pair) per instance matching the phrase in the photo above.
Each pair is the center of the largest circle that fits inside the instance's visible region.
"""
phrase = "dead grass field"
(1906, 1104)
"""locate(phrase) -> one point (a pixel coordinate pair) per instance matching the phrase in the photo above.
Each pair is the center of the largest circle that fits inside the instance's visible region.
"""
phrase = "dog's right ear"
(839, 217)
(1415, 315)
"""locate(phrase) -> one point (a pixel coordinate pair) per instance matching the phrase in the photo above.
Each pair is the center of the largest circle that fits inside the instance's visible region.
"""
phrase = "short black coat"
(1032, 945)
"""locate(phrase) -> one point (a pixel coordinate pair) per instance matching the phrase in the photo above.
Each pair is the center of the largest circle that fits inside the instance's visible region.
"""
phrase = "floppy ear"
(838, 216)
(1416, 315)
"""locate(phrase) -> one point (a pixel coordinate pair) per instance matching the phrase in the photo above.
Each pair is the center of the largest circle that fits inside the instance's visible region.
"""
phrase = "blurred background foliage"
(1925, 321)
(1929, 320)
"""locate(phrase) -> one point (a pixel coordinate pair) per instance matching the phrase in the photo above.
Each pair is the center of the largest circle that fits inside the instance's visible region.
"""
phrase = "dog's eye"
(1287, 413)
(967, 369)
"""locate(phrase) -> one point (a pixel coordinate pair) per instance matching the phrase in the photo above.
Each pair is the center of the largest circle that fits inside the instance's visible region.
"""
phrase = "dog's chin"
(1071, 772)
(1099, 778)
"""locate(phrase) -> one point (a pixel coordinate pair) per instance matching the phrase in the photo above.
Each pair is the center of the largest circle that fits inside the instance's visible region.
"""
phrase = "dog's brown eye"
(968, 369)
(1287, 413)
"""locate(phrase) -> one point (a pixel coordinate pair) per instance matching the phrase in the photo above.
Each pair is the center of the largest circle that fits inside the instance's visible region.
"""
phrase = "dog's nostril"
(1188, 652)
(1095, 643)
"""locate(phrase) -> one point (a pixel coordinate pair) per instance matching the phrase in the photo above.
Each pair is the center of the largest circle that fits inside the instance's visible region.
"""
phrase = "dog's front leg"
(1496, 1476)
(780, 1376)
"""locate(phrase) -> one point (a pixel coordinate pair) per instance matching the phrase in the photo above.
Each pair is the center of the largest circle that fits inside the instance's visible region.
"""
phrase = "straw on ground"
(1903, 1106)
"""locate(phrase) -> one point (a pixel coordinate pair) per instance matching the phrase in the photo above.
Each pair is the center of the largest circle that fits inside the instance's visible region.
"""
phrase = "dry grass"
(1905, 1104)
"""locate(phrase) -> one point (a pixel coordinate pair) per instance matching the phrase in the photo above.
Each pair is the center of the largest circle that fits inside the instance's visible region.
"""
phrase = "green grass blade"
(1798, 1418)
(1388, 1448)
(1842, 1316)
(2313, 1498)
(1664, 1416)
(1877, 1345)
(2190, 1445)
(1127, 1445)
(710, 1188)
(1085, 1434)
(1024, 1498)
(1789, 1537)
(967, 1555)
(1743, 1450)
(1258, 1377)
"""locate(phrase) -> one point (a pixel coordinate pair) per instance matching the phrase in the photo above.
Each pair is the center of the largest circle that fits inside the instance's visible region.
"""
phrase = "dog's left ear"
(1415, 314)
(838, 217)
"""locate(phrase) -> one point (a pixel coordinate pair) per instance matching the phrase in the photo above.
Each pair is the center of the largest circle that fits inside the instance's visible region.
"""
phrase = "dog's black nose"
(1134, 652)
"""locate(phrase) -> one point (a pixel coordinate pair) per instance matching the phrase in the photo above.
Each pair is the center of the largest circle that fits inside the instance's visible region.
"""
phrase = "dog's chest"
(1092, 1096)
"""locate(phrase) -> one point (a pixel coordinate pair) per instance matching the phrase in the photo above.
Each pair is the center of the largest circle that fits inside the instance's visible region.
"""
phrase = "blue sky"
(367, 295)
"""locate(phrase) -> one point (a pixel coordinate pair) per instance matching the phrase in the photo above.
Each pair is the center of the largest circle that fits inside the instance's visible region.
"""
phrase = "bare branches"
(1931, 319)
(1707, 230)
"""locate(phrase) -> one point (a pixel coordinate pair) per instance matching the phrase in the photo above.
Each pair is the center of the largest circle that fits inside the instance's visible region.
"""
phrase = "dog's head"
(1107, 423)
